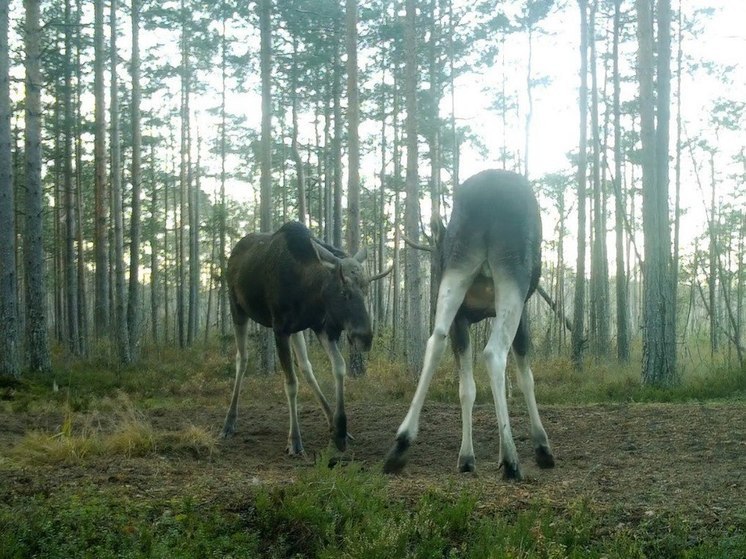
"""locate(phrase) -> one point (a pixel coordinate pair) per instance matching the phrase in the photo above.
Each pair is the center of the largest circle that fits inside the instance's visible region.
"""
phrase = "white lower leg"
(229, 426)
(298, 344)
(295, 445)
(467, 395)
(433, 354)
(496, 360)
(526, 382)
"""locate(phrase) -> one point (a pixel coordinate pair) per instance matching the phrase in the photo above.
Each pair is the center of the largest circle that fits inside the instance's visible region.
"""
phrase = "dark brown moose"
(290, 282)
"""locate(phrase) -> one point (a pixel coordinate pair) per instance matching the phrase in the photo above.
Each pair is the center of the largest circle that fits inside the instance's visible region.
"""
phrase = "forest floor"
(634, 463)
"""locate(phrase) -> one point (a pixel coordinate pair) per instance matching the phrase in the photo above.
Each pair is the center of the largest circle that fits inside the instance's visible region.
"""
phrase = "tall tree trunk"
(166, 274)
(155, 274)
(120, 315)
(324, 165)
(622, 321)
(415, 337)
(677, 196)
(267, 352)
(133, 298)
(37, 340)
(599, 322)
(357, 363)
(81, 275)
(452, 74)
(194, 257)
(396, 181)
(578, 332)
(58, 281)
(182, 309)
(663, 123)
(71, 270)
(222, 292)
(382, 192)
(353, 138)
(658, 351)
(9, 346)
(529, 97)
(336, 154)
(101, 309)
(712, 278)
(434, 146)
(294, 152)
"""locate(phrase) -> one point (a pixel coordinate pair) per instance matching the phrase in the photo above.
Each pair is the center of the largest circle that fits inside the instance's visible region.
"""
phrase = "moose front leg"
(298, 343)
(240, 331)
(340, 435)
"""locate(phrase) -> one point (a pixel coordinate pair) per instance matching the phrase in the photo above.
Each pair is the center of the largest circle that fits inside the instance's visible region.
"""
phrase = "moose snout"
(361, 340)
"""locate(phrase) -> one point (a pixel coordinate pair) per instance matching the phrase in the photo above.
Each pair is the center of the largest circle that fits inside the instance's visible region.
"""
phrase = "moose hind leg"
(240, 332)
(451, 293)
(508, 307)
(542, 450)
(295, 444)
(467, 392)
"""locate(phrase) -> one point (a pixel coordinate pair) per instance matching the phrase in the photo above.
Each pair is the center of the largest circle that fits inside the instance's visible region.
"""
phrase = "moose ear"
(361, 255)
(324, 256)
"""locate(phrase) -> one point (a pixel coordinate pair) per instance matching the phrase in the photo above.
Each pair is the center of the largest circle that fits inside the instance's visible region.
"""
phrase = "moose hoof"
(340, 441)
(466, 464)
(340, 436)
(544, 457)
(227, 432)
(512, 471)
(295, 448)
(396, 459)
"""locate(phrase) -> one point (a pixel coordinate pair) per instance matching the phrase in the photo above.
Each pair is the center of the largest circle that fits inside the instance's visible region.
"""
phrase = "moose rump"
(491, 261)
(289, 282)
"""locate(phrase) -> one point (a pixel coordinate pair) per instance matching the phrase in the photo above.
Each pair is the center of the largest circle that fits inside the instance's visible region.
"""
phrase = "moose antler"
(381, 275)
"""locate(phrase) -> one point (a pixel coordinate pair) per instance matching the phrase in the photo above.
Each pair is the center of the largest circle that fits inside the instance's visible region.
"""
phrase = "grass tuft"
(116, 428)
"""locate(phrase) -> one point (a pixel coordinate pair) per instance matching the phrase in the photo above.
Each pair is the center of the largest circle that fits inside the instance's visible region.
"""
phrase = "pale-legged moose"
(289, 282)
(491, 262)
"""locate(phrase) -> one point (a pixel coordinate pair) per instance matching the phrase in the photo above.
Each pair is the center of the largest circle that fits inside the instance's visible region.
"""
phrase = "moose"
(290, 282)
(490, 255)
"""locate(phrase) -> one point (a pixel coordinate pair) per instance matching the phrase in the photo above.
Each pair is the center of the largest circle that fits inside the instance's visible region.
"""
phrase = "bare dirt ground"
(631, 461)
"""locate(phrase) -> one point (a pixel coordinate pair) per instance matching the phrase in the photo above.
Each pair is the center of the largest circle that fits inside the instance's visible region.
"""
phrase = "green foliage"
(343, 512)
(102, 525)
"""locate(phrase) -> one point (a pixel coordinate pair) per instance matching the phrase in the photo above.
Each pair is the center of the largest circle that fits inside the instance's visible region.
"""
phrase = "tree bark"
(622, 321)
(37, 340)
(336, 154)
(81, 275)
(222, 292)
(133, 298)
(578, 333)
(357, 363)
(436, 223)
(182, 307)
(658, 359)
(120, 315)
(9, 339)
(155, 273)
(71, 270)
(415, 337)
(101, 310)
(267, 351)
(294, 152)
